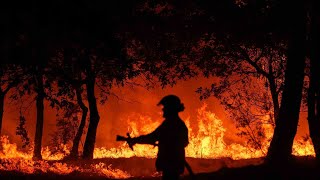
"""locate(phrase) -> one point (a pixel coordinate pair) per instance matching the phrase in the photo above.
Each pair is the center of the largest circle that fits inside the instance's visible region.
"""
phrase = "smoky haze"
(124, 102)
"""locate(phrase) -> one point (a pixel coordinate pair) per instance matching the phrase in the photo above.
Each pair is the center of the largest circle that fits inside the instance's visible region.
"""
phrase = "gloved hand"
(131, 141)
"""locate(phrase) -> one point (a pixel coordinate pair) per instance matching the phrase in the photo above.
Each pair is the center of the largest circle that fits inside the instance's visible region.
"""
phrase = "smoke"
(139, 100)
(122, 103)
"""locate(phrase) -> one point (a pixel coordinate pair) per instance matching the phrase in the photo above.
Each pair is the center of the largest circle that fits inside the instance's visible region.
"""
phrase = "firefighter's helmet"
(172, 102)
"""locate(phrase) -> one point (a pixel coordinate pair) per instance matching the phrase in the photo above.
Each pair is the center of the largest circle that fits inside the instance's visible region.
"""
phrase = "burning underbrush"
(206, 152)
(89, 168)
(114, 168)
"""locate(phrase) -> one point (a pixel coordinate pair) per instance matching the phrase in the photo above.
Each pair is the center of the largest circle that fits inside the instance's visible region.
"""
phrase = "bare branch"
(252, 63)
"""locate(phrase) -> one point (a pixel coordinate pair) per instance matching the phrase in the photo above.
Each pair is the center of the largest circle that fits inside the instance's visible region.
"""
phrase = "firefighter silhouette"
(171, 137)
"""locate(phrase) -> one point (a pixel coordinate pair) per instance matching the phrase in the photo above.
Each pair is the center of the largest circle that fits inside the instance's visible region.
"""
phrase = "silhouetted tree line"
(63, 51)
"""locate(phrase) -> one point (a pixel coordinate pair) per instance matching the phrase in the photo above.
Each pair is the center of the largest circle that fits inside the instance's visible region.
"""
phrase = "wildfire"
(12, 159)
(205, 141)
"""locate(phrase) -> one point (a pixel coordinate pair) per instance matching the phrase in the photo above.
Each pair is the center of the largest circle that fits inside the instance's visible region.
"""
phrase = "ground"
(301, 168)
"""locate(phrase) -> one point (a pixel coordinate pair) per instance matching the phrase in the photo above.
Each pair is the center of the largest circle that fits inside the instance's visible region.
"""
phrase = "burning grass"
(226, 168)
(207, 152)
(113, 168)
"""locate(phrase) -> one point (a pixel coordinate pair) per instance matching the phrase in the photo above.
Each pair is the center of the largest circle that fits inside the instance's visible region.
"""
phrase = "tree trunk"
(75, 146)
(313, 112)
(287, 121)
(274, 95)
(1, 110)
(39, 124)
(94, 115)
(314, 87)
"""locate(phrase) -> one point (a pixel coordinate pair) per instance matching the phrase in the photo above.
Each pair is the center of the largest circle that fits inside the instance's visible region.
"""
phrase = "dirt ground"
(224, 169)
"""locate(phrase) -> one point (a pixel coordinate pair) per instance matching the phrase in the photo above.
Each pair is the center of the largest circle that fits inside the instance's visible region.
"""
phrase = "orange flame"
(12, 159)
(206, 141)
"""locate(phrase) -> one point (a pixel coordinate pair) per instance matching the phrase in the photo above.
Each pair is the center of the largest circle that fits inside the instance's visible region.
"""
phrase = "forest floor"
(216, 169)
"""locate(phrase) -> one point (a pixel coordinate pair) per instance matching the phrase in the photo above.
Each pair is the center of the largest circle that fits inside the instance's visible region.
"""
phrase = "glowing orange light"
(205, 142)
